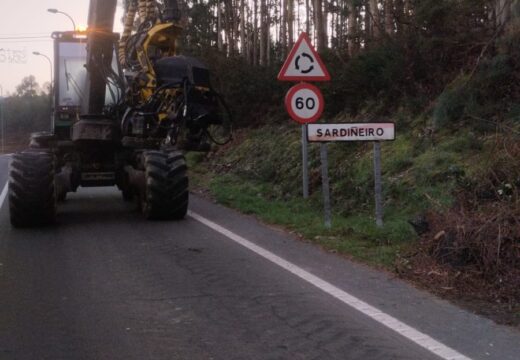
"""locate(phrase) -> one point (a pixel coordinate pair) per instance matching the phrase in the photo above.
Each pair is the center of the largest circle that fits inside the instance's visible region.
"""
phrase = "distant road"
(106, 284)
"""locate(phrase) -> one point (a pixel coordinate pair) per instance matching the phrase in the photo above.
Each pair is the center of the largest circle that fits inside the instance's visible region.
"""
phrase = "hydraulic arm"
(99, 53)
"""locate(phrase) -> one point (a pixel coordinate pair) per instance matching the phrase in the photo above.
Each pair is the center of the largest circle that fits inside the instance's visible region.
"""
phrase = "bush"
(374, 75)
(481, 99)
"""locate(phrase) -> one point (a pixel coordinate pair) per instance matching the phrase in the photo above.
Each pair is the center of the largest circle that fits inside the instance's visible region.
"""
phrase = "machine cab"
(70, 82)
(70, 54)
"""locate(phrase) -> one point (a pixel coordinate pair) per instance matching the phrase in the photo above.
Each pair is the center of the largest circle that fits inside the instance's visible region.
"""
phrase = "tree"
(24, 114)
(290, 22)
(502, 11)
(389, 17)
(318, 23)
(220, 41)
(352, 28)
(264, 35)
(28, 87)
(243, 43)
(255, 32)
(283, 27)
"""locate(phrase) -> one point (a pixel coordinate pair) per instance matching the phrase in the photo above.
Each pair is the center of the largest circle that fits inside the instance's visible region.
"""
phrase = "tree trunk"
(229, 26)
(376, 20)
(407, 8)
(290, 22)
(236, 23)
(283, 28)
(341, 26)
(325, 22)
(267, 35)
(268, 50)
(255, 33)
(407, 14)
(333, 29)
(503, 10)
(220, 42)
(249, 43)
(368, 24)
(243, 28)
(389, 17)
(263, 33)
(399, 16)
(307, 18)
(352, 28)
(318, 23)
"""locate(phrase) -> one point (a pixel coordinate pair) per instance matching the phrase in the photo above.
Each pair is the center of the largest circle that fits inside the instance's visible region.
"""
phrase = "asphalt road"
(106, 284)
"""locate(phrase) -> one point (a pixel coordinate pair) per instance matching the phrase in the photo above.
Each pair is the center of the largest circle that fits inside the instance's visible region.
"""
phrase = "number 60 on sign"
(304, 102)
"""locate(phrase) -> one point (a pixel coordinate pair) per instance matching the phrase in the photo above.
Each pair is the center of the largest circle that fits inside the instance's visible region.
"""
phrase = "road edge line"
(410, 333)
(3, 195)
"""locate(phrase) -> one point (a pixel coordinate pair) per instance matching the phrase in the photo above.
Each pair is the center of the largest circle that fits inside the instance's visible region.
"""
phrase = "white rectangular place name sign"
(351, 132)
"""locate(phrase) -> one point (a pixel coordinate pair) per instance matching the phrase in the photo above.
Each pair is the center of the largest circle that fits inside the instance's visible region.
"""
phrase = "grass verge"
(356, 236)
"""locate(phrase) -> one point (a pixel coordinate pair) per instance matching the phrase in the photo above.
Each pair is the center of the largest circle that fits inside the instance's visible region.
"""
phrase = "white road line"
(390, 322)
(3, 195)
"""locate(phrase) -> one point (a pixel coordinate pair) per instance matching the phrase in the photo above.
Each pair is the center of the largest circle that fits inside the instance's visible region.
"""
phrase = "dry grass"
(473, 250)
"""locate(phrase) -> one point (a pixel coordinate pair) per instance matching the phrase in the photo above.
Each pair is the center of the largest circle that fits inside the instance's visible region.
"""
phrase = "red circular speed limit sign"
(304, 102)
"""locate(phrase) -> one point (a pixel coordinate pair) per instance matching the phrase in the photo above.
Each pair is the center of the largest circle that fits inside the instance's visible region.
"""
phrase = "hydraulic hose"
(128, 25)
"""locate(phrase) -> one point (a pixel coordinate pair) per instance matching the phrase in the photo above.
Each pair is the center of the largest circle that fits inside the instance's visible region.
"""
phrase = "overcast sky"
(29, 18)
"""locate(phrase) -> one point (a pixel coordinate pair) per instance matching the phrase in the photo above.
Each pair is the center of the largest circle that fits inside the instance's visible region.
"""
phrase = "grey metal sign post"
(304, 102)
(305, 162)
(378, 188)
(375, 132)
(325, 185)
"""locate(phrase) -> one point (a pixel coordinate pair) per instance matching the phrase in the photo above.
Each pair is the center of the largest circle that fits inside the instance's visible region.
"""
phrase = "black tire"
(42, 140)
(32, 189)
(178, 176)
(166, 194)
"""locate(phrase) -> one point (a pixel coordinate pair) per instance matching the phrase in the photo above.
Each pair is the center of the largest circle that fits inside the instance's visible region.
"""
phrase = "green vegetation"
(261, 175)
(354, 235)
(25, 112)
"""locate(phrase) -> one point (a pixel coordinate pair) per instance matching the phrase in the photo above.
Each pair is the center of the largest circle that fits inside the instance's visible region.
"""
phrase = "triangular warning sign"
(303, 63)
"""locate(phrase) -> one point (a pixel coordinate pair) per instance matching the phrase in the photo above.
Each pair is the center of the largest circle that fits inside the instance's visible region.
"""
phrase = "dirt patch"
(445, 269)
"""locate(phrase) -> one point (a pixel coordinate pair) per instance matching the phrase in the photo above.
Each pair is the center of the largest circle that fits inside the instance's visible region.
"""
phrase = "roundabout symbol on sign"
(304, 102)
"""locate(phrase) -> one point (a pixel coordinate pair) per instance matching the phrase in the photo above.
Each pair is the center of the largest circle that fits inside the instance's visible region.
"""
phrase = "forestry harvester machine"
(124, 110)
